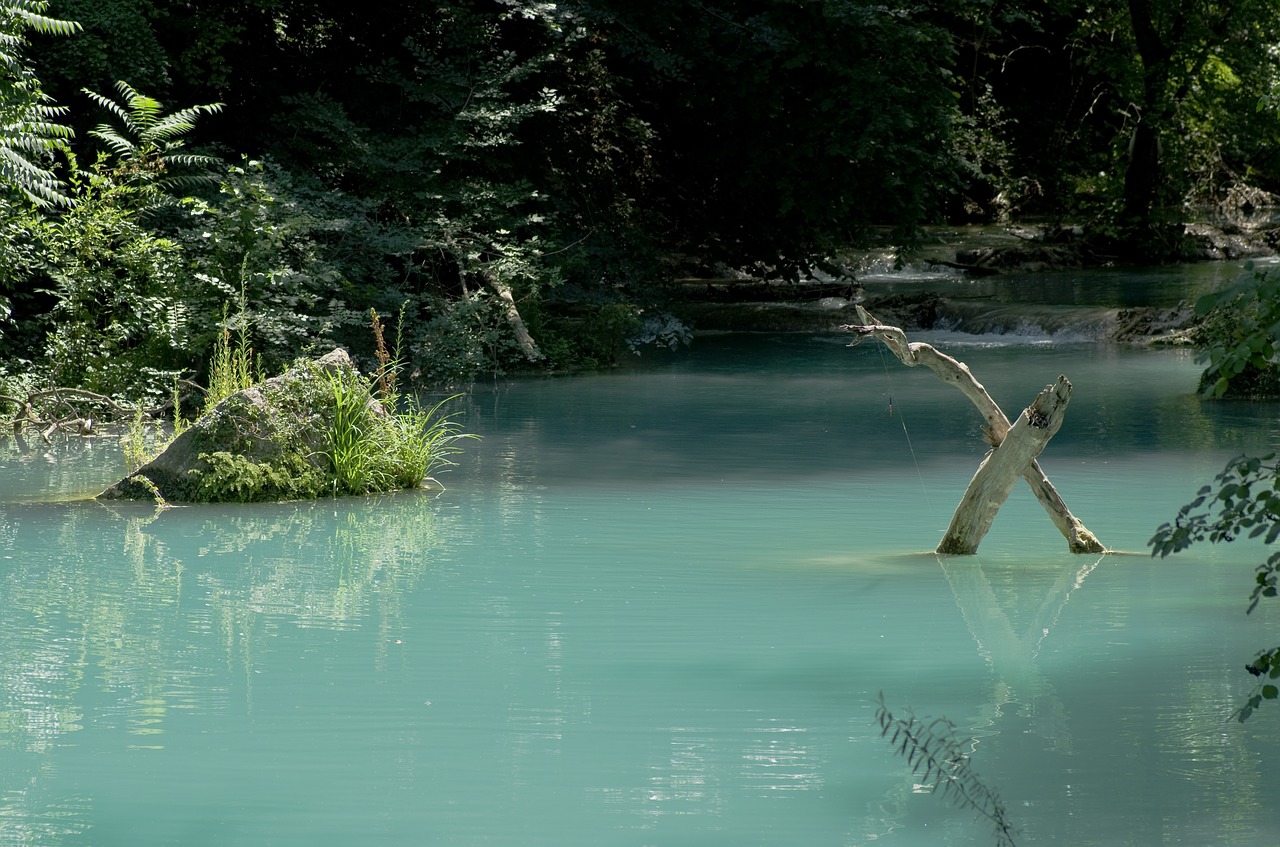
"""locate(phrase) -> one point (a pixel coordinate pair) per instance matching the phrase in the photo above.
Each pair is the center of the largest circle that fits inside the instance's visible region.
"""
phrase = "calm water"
(653, 608)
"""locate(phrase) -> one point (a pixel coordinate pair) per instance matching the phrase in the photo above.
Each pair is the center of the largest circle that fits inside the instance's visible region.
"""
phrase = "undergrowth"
(380, 440)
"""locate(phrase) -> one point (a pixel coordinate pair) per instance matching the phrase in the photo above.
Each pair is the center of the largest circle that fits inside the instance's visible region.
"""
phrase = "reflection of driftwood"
(1020, 444)
(1012, 652)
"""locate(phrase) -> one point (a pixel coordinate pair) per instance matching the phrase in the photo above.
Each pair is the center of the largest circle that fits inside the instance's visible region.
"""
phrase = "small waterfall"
(1063, 306)
(1028, 322)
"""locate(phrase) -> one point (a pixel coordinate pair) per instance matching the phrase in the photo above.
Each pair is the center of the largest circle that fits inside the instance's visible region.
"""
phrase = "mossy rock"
(265, 443)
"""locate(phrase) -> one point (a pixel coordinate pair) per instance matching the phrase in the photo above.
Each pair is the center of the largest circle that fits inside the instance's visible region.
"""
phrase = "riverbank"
(990, 280)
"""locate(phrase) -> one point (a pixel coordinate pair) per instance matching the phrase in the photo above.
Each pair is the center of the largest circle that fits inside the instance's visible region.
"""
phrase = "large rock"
(268, 442)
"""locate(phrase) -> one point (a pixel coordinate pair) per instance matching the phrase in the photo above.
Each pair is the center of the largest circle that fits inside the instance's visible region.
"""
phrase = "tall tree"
(782, 130)
(1178, 45)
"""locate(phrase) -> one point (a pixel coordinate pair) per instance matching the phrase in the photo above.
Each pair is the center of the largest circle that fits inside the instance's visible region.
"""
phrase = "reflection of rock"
(1230, 241)
(918, 310)
(273, 435)
(1025, 258)
(1074, 247)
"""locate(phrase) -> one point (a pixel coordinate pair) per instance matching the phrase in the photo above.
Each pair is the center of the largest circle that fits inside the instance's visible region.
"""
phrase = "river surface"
(655, 607)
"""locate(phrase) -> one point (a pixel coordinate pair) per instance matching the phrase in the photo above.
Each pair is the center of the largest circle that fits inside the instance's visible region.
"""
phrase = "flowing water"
(654, 607)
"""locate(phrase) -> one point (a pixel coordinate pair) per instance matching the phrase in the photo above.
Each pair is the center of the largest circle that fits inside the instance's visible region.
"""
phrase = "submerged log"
(954, 372)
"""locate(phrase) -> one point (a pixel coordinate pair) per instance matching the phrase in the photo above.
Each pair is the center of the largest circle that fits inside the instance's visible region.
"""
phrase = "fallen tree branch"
(73, 410)
(956, 373)
(512, 314)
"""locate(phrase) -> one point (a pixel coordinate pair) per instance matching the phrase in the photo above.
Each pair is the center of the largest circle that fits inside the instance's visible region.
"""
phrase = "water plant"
(231, 367)
(934, 752)
(359, 463)
(378, 439)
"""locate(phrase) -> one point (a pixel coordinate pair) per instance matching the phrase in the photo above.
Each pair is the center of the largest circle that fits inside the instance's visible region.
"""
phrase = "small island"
(319, 429)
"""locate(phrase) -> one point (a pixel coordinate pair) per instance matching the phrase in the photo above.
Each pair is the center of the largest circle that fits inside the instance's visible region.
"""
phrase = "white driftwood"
(512, 314)
(953, 372)
(1001, 469)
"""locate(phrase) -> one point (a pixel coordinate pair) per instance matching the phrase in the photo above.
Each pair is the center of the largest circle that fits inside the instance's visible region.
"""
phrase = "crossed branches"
(1014, 451)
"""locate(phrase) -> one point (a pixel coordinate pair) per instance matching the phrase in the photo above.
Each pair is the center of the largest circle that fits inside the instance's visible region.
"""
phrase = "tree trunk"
(1002, 468)
(523, 338)
(1143, 172)
(1142, 175)
(953, 372)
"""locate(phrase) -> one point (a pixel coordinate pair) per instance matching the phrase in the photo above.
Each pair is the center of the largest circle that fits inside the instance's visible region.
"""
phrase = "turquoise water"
(653, 607)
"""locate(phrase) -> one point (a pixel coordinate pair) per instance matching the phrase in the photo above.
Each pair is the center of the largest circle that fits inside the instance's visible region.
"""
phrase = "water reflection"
(777, 758)
(137, 614)
(1011, 650)
(809, 408)
(64, 468)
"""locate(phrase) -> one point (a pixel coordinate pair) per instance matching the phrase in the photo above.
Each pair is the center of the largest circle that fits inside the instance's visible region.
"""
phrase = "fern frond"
(29, 132)
(111, 106)
(145, 112)
(9, 44)
(121, 146)
(34, 145)
(180, 122)
(36, 125)
(145, 135)
(48, 111)
(37, 184)
(30, 13)
(165, 131)
(192, 160)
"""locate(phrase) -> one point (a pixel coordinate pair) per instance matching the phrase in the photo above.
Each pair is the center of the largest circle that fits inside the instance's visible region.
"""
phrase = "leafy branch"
(933, 751)
(1240, 328)
(29, 131)
(1247, 500)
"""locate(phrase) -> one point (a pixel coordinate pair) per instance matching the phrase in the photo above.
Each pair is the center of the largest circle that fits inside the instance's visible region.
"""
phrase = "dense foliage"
(527, 176)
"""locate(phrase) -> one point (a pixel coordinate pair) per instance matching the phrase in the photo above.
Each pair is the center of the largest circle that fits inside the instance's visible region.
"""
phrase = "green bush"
(1239, 336)
(120, 319)
(289, 254)
(463, 339)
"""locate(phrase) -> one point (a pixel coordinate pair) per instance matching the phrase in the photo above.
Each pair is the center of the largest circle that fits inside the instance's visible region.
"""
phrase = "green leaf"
(1206, 304)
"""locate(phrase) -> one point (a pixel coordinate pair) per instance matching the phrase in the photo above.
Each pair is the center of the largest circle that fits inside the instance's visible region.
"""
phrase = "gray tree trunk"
(1020, 461)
